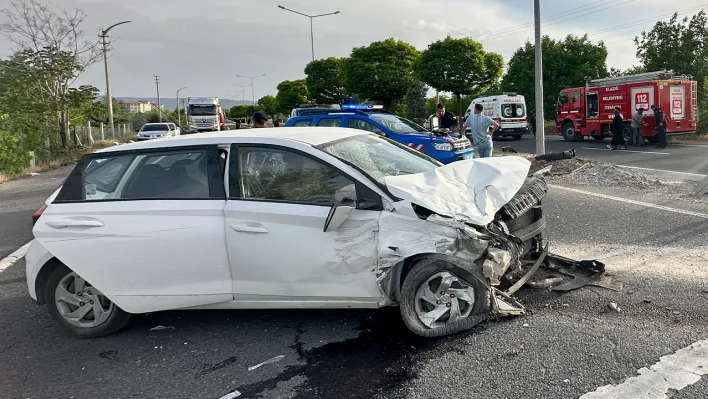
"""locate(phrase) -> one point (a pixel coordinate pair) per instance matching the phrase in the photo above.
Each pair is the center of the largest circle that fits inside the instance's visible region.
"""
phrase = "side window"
(563, 99)
(303, 123)
(274, 174)
(330, 122)
(360, 124)
(575, 97)
(102, 176)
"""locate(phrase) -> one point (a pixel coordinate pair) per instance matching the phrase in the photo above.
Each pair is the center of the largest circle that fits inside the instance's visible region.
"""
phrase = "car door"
(144, 227)
(278, 204)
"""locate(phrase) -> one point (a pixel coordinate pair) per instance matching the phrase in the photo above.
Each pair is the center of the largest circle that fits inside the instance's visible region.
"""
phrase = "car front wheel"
(81, 309)
(436, 300)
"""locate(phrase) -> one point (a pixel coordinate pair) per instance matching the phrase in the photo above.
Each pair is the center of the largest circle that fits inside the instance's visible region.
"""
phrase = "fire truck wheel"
(627, 134)
(599, 138)
(569, 133)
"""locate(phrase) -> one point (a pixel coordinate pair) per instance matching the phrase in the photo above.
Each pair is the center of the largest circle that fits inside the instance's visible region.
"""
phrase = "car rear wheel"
(436, 300)
(81, 309)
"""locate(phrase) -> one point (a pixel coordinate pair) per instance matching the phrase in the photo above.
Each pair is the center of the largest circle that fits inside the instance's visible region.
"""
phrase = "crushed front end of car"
(484, 221)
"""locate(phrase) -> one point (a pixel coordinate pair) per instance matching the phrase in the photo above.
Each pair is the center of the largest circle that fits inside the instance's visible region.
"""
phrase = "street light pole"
(253, 91)
(179, 115)
(109, 99)
(312, 34)
(539, 128)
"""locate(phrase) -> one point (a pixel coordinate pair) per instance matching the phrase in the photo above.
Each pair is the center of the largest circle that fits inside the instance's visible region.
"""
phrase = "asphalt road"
(569, 345)
(678, 156)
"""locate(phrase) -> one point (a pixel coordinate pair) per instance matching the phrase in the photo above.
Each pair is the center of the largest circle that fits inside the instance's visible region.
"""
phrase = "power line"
(653, 21)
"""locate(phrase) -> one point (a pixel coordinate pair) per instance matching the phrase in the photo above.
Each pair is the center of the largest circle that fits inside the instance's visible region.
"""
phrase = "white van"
(508, 109)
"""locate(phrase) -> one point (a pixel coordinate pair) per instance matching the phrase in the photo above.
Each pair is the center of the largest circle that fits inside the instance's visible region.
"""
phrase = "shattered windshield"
(398, 124)
(379, 157)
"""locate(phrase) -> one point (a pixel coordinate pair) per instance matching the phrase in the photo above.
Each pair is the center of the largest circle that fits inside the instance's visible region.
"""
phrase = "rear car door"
(145, 227)
(278, 204)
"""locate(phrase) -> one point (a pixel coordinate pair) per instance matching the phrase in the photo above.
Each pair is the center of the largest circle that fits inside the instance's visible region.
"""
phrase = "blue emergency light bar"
(361, 106)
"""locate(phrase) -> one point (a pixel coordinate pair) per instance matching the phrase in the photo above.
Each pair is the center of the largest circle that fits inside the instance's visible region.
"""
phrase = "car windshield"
(154, 128)
(379, 157)
(202, 110)
(398, 124)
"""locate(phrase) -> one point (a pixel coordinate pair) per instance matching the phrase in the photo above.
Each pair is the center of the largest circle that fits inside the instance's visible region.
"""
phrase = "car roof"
(156, 123)
(309, 135)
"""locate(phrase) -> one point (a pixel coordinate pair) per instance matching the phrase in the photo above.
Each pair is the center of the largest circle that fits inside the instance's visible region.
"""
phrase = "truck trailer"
(588, 111)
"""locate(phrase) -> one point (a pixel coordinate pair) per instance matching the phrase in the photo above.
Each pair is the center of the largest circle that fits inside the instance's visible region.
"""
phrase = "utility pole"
(109, 98)
(312, 34)
(159, 107)
(179, 116)
(253, 92)
(540, 134)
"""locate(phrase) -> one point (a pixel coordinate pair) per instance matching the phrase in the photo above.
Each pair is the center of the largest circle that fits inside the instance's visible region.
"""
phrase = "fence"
(87, 135)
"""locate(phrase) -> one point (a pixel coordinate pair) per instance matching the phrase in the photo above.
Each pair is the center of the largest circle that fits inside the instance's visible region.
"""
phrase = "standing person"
(260, 120)
(447, 118)
(616, 128)
(532, 121)
(637, 123)
(660, 122)
(480, 131)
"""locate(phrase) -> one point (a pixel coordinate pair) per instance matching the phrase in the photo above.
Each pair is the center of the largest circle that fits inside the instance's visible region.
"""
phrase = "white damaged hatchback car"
(285, 218)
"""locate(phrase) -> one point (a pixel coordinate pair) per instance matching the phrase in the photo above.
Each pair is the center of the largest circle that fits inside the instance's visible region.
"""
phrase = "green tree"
(382, 71)
(291, 93)
(324, 81)
(269, 105)
(678, 45)
(566, 63)
(459, 66)
(242, 111)
(616, 72)
(415, 103)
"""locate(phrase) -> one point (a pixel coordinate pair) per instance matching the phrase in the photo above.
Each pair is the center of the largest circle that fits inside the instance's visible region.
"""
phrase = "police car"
(445, 148)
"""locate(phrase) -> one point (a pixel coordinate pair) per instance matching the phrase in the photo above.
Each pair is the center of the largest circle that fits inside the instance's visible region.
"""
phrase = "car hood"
(470, 191)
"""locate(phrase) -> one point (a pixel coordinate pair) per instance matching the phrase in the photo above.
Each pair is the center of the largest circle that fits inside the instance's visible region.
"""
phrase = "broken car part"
(556, 156)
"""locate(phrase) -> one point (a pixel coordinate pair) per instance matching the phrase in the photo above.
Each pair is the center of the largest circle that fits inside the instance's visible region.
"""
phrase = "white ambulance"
(508, 110)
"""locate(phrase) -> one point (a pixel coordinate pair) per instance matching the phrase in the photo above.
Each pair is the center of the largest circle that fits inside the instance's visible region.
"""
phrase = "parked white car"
(157, 131)
(280, 218)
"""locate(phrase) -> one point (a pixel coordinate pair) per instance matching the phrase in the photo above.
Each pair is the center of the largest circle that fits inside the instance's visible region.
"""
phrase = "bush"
(13, 158)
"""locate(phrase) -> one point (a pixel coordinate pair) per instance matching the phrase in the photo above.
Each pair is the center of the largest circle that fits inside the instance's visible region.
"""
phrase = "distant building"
(140, 107)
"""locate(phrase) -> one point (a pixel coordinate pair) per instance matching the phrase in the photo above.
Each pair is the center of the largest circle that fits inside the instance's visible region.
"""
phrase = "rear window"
(303, 123)
(330, 122)
(513, 110)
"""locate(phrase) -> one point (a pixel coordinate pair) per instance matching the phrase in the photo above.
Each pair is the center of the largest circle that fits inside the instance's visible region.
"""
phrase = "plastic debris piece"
(269, 361)
(33, 174)
(232, 395)
(525, 325)
(647, 301)
(567, 381)
(159, 328)
(613, 307)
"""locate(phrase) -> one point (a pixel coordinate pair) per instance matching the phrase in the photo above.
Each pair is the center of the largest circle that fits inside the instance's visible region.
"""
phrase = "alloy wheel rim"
(81, 304)
(442, 299)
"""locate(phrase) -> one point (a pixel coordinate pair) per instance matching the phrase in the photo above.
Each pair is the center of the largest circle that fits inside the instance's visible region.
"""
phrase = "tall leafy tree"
(291, 93)
(459, 66)
(566, 63)
(415, 103)
(324, 81)
(382, 71)
(680, 45)
(268, 105)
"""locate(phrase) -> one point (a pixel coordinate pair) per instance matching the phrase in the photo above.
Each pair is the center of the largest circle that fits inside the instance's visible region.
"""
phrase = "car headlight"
(442, 146)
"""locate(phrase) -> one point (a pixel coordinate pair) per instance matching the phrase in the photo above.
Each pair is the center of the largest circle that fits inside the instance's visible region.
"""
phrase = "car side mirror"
(435, 122)
(337, 215)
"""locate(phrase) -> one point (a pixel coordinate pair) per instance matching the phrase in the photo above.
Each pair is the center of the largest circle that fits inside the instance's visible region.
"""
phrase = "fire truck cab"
(588, 111)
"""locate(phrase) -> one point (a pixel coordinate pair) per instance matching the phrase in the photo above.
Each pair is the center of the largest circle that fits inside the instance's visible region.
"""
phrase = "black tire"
(598, 138)
(569, 133)
(116, 321)
(627, 134)
(652, 139)
(418, 275)
(517, 137)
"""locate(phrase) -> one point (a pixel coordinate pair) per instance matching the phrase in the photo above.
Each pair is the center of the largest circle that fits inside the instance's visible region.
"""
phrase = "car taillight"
(38, 214)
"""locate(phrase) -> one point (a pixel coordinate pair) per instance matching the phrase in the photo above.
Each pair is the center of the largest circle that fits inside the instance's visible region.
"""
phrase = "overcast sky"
(204, 44)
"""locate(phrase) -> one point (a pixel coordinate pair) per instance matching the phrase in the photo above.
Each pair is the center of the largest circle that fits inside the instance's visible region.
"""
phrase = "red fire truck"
(588, 111)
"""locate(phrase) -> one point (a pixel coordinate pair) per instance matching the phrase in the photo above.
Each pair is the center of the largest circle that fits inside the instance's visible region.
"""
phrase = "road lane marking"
(687, 145)
(663, 170)
(639, 152)
(633, 202)
(14, 257)
(676, 371)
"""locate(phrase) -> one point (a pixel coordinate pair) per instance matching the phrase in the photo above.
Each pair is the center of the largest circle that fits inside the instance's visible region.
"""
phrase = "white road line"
(639, 152)
(633, 202)
(688, 145)
(14, 257)
(663, 170)
(677, 371)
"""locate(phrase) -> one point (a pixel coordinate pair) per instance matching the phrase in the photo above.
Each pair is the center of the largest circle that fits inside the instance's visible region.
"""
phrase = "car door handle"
(249, 228)
(64, 223)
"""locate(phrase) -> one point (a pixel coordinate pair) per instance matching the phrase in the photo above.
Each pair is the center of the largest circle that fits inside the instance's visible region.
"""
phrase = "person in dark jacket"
(660, 125)
(617, 129)
(447, 118)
